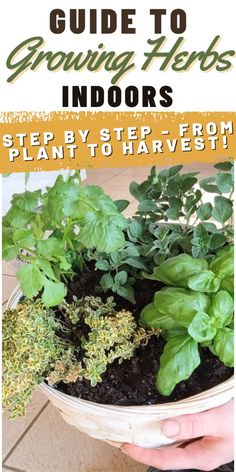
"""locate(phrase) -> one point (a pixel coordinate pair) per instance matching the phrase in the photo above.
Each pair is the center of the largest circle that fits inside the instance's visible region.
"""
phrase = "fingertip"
(170, 428)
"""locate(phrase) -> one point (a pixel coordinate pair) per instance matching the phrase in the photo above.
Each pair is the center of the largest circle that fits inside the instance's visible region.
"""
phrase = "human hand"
(214, 448)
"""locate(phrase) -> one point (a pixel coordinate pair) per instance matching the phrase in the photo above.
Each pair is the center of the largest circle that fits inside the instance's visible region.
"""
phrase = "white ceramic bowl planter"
(140, 425)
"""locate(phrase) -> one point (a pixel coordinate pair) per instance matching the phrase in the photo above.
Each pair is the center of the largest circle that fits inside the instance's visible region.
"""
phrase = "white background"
(193, 90)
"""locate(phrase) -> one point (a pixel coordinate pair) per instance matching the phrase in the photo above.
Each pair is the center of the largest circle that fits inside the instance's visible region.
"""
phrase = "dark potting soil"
(133, 381)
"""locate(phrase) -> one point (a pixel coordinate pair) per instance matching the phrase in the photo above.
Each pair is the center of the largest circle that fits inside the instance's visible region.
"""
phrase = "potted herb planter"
(139, 425)
(191, 272)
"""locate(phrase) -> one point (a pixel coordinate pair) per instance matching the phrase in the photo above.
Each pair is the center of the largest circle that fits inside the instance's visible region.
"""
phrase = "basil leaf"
(223, 346)
(178, 361)
(205, 282)
(173, 332)
(176, 270)
(226, 251)
(228, 284)
(150, 316)
(201, 328)
(222, 308)
(180, 305)
(223, 266)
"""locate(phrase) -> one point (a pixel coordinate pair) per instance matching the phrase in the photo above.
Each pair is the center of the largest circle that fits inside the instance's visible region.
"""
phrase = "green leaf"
(178, 361)
(135, 192)
(121, 205)
(224, 182)
(51, 247)
(223, 346)
(9, 248)
(102, 265)
(204, 211)
(126, 292)
(45, 267)
(180, 304)
(31, 280)
(64, 265)
(216, 240)
(205, 281)
(201, 328)
(175, 203)
(53, 293)
(188, 183)
(170, 172)
(176, 270)
(147, 206)
(135, 262)
(226, 251)
(121, 278)
(201, 232)
(132, 251)
(226, 166)
(150, 316)
(223, 209)
(222, 308)
(116, 258)
(173, 213)
(102, 232)
(208, 186)
(17, 218)
(9, 251)
(106, 282)
(24, 238)
(198, 251)
(173, 189)
(27, 201)
(223, 267)
(135, 229)
(228, 284)
(210, 227)
(173, 332)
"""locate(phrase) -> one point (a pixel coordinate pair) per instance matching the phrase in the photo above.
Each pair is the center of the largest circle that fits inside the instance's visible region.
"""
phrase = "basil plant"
(196, 309)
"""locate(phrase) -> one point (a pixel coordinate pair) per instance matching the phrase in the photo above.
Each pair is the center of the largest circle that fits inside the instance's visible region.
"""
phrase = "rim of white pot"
(203, 399)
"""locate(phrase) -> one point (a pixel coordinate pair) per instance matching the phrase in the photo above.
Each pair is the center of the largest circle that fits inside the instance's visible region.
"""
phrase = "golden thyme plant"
(112, 335)
(34, 352)
(30, 348)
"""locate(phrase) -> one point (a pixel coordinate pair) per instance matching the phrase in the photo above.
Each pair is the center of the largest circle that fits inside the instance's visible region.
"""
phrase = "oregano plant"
(174, 216)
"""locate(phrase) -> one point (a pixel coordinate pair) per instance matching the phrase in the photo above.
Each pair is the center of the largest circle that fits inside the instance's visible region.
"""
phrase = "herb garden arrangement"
(123, 311)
